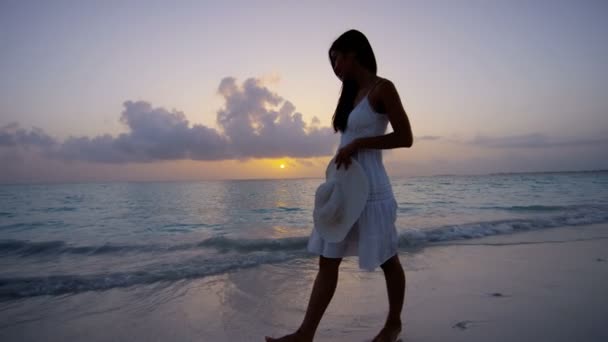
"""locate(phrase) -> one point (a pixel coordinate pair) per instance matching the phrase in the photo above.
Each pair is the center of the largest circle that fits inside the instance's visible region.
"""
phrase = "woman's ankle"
(303, 333)
(393, 322)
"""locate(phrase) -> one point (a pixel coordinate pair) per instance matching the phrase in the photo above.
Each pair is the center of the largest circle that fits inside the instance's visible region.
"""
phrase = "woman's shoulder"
(383, 86)
(384, 82)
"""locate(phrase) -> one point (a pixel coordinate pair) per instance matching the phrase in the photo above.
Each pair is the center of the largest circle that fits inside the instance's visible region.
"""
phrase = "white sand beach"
(545, 285)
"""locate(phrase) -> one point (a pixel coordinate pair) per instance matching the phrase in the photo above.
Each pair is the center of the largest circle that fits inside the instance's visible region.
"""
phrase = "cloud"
(254, 123)
(256, 131)
(428, 137)
(507, 161)
(154, 134)
(13, 135)
(535, 140)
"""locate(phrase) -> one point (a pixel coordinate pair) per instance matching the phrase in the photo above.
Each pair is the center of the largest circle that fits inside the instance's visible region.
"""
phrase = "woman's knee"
(391, 262)
(326, 263)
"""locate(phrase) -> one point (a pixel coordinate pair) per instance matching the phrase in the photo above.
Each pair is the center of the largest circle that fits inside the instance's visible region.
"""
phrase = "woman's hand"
(344, 154)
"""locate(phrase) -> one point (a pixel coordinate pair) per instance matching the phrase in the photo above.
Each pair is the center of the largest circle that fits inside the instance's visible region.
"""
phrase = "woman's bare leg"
(322, 292)
(395, 286)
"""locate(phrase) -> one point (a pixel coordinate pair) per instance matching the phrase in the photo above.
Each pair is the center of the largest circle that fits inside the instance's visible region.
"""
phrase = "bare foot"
(293, 337)
(389, 333)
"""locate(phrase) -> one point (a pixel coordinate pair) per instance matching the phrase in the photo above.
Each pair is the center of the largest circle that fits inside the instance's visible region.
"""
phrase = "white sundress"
(373, 237)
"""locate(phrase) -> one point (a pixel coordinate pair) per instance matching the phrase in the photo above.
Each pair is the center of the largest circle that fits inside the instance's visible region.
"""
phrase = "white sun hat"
(340, 200)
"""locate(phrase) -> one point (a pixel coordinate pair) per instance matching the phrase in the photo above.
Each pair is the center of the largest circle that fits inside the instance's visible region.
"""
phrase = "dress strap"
(374, 86)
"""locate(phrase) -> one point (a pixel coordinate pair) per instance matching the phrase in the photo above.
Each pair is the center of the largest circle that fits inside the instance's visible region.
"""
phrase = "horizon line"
(290, 178)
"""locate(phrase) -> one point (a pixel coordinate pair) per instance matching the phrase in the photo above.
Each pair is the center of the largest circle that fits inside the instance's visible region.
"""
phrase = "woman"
(367, 104)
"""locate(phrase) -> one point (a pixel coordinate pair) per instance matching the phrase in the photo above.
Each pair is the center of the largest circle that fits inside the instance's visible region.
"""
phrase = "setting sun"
(282, 166)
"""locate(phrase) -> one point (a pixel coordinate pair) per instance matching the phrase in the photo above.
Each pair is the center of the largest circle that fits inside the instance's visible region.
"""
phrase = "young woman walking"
(366, 105)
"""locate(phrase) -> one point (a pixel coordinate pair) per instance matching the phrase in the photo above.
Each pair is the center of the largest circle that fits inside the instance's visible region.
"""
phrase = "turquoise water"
(68, 238)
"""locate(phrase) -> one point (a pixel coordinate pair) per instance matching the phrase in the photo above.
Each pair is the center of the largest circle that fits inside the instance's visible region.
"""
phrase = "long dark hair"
(351, 41)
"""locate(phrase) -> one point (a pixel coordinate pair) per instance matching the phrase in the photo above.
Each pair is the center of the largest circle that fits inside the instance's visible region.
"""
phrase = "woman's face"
(342, 63)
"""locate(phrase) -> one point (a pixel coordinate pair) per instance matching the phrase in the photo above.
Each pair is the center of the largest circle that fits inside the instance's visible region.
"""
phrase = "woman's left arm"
(402, 130)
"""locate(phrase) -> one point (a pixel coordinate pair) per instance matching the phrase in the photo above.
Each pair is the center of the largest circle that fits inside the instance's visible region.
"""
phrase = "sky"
(197, 90)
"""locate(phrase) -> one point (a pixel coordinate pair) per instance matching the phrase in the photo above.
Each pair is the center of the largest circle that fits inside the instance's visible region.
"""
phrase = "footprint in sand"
(462, 325)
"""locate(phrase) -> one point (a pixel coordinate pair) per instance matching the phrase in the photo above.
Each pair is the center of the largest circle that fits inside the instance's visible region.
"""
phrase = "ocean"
(65, 239)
